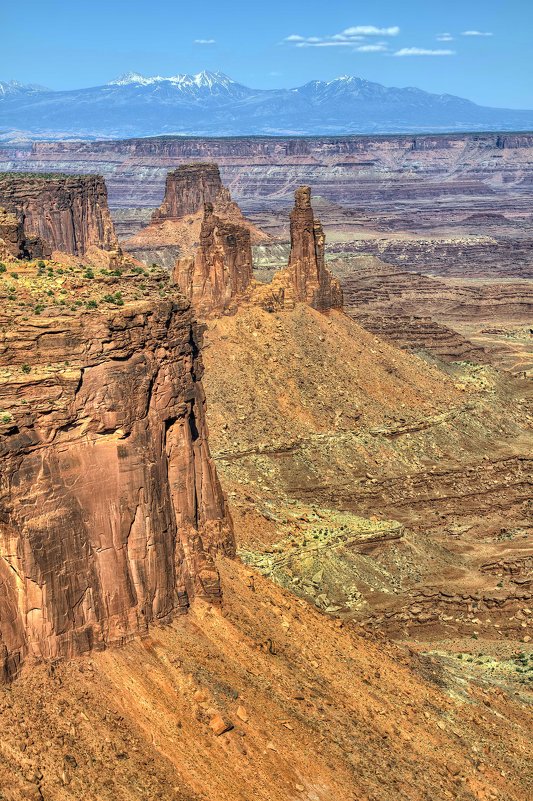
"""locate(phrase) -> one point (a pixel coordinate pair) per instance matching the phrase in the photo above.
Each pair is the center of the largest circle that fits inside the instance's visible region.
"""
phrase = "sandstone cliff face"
(311, 281)
(220, 269)
(15, 244)
(187, 189)
(110, 506)
(70, 213)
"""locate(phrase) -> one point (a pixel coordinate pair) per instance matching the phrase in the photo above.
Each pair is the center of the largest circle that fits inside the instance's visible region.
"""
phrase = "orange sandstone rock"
(311, 281)
(110, 506)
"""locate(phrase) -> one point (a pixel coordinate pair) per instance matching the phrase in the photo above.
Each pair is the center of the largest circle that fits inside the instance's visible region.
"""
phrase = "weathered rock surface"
(110, 506)
(311, 281)
(175, 227)
(15, 244)
(70, 213)
(188, 189)
(220, 269)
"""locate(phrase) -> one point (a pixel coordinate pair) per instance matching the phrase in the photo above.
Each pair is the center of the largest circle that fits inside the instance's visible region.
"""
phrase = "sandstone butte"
(111, 506)
(214, 268)
(68, 213)
(103, 429)
(219, 276)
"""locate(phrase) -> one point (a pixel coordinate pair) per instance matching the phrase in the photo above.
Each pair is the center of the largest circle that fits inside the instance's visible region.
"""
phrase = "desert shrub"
(3, 267)
(26, 368)
(116, 299)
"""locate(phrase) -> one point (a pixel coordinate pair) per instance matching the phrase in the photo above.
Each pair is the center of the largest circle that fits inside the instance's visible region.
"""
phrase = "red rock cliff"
(70, 213)
(110, 506)
(311, 281)
(15, 244)
(220, 269)
(187, 189)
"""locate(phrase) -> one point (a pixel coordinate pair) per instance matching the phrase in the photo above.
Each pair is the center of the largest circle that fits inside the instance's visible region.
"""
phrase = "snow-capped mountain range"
(211, 104)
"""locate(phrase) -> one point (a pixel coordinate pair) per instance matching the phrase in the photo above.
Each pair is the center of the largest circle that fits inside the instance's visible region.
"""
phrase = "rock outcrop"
(311, 281)
(187, 189)
(110, 505)
(15, 244)
(70, 213)
(220, 268)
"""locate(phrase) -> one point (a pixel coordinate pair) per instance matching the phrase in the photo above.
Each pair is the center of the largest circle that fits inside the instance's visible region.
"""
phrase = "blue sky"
(479, 49)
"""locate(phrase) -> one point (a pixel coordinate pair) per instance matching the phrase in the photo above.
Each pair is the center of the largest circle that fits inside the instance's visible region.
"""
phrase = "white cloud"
(372, 48)
(477, 33)
(204, 41)
(371, 30)
(349, 37)
(309, 43)
(420, 51)
(444, 37)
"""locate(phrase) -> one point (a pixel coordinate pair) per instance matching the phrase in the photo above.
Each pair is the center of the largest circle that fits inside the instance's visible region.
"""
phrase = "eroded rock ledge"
(69, 212)
(110, 506)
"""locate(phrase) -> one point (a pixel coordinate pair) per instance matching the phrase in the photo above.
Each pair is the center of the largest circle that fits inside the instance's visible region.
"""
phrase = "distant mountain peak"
(16, 87)
(203, 79)
(209, 103)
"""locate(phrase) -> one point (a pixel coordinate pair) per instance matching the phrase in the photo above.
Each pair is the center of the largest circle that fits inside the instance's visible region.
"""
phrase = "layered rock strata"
(70, 213)
(110, 506)
(15, 244)
(188, 189)
(219, 269)
(311, 281)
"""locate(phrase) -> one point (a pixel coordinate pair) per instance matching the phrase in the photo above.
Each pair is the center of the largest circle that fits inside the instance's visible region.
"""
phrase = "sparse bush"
(5, 417)
(26, 368)
(88, 273)
(92, 304)
(3, 267)
(116, 299)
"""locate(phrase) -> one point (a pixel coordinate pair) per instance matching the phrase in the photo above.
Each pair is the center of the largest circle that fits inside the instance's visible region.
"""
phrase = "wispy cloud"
(349, 37)
(372, 48)
(371, 30)
(477, 33)
(420, 51)
(444, 37)
(204, 41)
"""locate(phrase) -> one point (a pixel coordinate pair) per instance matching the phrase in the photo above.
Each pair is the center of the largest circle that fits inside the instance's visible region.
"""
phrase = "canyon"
(330, 474)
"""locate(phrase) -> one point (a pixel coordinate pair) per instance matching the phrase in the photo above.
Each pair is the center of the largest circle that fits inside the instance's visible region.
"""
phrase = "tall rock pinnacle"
(311, 281)
(220, 268)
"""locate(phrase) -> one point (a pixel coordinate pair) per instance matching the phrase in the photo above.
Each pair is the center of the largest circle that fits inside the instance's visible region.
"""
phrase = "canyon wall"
(70, 213)
(110, 506)
(15, 243)
(460, 198)
(351, 169)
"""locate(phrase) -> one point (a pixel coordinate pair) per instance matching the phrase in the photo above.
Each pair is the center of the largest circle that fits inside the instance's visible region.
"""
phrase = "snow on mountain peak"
(204, 79)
